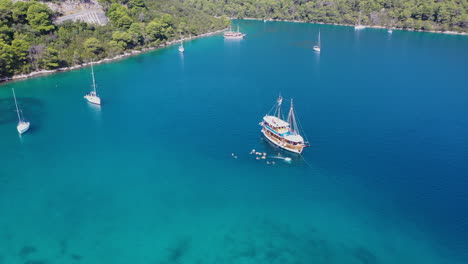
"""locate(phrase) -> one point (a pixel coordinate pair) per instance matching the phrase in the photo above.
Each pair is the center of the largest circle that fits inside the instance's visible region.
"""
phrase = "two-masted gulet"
(284, 134)
(233, 34)
(92, 96)
(22, 126)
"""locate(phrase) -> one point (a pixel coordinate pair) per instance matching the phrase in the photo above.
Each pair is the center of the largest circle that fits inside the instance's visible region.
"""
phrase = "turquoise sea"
(149, 177)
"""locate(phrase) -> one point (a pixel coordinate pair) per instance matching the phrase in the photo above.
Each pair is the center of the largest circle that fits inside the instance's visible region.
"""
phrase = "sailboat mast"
(237, 28)
(292, 118)
(94, 81)
(280, 100)
(17, 109)
(318, 42)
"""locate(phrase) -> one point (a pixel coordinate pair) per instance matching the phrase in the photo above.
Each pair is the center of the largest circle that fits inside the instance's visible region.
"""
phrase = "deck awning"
(294, 138)
(275, 122)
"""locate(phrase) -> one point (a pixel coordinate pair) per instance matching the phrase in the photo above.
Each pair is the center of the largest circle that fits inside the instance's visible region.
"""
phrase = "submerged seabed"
(150, 178)
(213, 219)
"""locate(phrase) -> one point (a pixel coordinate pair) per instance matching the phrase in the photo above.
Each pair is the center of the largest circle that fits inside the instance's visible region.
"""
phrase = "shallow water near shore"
(149, 176)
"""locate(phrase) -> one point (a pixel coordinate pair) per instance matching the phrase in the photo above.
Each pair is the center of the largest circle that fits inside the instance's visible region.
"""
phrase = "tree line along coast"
(30, 41)
(431, 15)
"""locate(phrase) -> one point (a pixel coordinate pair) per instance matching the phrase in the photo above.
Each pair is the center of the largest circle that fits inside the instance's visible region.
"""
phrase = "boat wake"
(285, 159)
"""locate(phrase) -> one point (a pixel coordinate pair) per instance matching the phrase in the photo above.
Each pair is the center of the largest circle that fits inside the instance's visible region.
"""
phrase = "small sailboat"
(92, 96)
(317, 47)
(233, 34)
(181, 46)
(22, 126)
(359, 26)
(390, 31)
(284, 134)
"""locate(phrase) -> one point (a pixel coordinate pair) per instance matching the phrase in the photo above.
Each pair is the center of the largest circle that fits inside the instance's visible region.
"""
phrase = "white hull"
(181, 49)
(22, 127)
(359, 27)
(93, 99)
(235, 37)
(390, 31)
(280, 144)
(316, 48)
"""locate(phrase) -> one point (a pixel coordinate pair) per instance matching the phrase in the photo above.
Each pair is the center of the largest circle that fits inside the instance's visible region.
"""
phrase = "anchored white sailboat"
(181, 46)
(92, 96)
(284, 134)
(359, 26)
(22, 126)
(317, 47)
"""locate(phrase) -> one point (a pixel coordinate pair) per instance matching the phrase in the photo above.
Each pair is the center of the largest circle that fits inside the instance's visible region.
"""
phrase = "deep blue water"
(149, 177)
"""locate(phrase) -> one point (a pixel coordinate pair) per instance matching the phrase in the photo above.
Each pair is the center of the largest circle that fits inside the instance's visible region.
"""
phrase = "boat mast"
(17, 109)
(319, 39)
(94, 81)
(292, 118)
(237, 28)
(280, 100)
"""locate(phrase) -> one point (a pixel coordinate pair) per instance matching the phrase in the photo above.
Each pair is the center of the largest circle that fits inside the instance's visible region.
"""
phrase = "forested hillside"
(408, 14)
(30, 41)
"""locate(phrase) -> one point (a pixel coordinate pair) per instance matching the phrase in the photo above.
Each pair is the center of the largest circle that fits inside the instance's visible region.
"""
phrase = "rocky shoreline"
(118, 57)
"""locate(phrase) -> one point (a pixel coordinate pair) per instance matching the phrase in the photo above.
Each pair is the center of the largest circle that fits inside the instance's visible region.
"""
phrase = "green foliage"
(413, 14)
(30, 41)
(136, 3)
(136, 33)
(114, 48)
(6, 59)
(50, 59)
(160, 29)
(20, 12)
(119, 16)
(20, 49)
(5, 32)
(123, 39)
(92, 47)
(226, 21)
(5, 11)
(39, 17)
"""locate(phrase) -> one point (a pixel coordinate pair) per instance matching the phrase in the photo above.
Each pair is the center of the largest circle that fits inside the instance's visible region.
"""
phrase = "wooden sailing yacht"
(317, 47)
(233, 34)
(284, 134)
(92, 96)
(22, 126)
